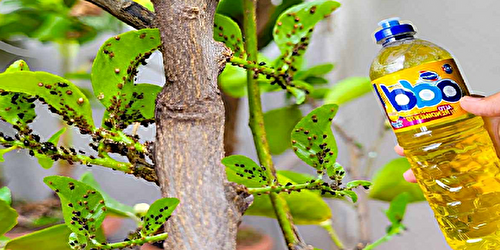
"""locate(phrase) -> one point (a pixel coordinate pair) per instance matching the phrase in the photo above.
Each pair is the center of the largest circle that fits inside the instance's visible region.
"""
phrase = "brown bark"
(127, 11)
(231, 105)
(190, 126)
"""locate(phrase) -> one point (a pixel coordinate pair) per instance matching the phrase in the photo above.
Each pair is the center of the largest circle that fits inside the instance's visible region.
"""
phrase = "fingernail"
(471, 99)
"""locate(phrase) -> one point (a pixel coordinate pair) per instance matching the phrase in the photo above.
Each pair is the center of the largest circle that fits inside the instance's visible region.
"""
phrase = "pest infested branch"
(110, 142)
(127, 11)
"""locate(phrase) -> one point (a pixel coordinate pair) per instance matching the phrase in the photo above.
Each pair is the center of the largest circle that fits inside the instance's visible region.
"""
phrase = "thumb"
(487, 106)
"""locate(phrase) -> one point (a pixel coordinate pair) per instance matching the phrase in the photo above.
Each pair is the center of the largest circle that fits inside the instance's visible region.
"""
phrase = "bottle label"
(423, 95)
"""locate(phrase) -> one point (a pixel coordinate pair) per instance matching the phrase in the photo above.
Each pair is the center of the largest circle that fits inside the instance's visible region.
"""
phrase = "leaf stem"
(249, 65)
(316, 185)
(123, 244)
(256, 122)
(105, 161)
(328, 226)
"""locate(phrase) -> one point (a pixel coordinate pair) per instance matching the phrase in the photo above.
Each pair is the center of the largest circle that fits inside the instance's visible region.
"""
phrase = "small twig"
(135, 128)
(141, 241)
(328, 226)
(313, 185)
(362, 206)
(256, 123)
(375, 148)
(127, 11)
(349, 139)
(60, 154)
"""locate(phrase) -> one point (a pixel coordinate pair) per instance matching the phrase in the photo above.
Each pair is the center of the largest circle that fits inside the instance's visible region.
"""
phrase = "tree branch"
(127, 11)
(256, 122)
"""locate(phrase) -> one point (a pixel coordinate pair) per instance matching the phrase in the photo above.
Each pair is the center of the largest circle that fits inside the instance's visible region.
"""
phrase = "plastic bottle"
(450, 151)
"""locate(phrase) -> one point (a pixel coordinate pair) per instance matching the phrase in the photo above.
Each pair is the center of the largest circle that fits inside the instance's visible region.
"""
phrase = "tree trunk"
(190, 126)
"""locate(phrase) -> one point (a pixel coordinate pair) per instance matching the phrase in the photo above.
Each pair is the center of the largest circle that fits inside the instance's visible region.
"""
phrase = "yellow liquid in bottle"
(454, 162)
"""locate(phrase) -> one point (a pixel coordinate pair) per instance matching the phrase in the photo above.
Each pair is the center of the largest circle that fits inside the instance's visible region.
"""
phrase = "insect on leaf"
(312, 138)
(244, 171)
(358, 183)
(83, 206)
(227, 31)
(17, 107)
(114, 206)
(294, 27)
(307, 207)
(113, 77)
(335, 172)
(44, 160)
(158, 214)
(62, 96)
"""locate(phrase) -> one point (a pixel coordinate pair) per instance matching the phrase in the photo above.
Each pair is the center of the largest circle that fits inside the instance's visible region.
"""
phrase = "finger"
(409, 176)
(399, 150)
(487, 106)
(492, 124)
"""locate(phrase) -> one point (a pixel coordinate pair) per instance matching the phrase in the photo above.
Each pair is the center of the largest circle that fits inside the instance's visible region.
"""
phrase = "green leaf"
(388, 182)
(5, 195)
(315, 71)
(8, 217)
(227, 31)
(4, 151)
(62, 96)
(397, 208)
(158, 214)
(299, 94)
(233, 81)
(312, 138)
(266, 34)
(348, 90)
(77, 75)
(316, 80)
(279, 123)
(52, 238)
(230, 8)
(358, 183)
(294, 27)
(17, 107)
(113, 76)
(114, 206)
(45, 161)
(83, 206)
(319, 93)
(17, 66)
(3, 241)
(53, 28)
(296, 177)
(351, 194)
(147, 4)
(244, 171)
(45, 221)
(307, 207)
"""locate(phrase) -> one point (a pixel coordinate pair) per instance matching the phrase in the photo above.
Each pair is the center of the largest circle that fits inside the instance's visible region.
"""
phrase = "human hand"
(488, 108)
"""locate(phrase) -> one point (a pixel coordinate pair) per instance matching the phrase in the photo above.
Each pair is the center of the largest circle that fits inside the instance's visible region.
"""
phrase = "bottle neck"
(391, 40)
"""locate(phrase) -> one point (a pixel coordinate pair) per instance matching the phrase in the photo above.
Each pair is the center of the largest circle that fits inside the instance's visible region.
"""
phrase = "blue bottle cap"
(391, 27)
